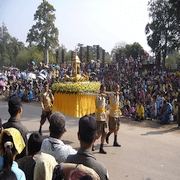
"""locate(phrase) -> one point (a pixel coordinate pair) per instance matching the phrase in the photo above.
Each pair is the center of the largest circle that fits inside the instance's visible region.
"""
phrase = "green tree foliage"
(44, 33)
(68, 57)
(162, 31)
(134, 50)
(176, 8)
(118, 46)
(171, 62)
(9, 48)
(31, 53)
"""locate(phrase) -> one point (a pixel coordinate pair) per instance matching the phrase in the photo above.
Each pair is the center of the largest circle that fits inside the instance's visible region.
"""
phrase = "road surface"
(149, 151)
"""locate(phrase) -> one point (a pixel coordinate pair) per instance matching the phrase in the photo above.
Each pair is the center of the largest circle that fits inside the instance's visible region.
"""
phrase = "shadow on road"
(160, 132)
(155, 125)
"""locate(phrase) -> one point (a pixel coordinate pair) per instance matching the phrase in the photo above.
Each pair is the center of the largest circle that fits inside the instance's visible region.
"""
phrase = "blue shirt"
(19, 173)
(158, 104)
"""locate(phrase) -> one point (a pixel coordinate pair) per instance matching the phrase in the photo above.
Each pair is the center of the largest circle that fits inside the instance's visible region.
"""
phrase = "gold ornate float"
(73, 96)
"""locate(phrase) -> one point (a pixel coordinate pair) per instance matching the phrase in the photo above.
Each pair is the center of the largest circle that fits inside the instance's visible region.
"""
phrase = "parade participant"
(114, 117)
(100, 116)
(15, 110)
(46, 100)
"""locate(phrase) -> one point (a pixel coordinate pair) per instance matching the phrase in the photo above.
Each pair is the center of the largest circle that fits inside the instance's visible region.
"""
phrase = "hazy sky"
(90, 22)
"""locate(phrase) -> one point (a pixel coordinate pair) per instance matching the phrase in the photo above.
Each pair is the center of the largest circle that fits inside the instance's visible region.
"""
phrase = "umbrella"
(4, 78)
(18, 75)
(41, 77)
(93, 73)
(12, 76)
(32, 62)
(2, 83)
(92, 61)
(23, 74)
(89, 70)
(57, 67)
(30, 76)
(43, 73)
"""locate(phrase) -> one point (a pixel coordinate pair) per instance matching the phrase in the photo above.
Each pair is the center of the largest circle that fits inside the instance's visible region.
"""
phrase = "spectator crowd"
(144, 94)
(155, 88)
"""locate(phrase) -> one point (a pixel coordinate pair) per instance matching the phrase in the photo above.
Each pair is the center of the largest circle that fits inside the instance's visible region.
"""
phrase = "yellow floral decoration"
(76, 88)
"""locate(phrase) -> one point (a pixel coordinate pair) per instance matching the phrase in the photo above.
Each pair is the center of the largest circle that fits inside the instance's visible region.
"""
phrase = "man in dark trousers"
(114, 117)
(15, 110)
(46, 99)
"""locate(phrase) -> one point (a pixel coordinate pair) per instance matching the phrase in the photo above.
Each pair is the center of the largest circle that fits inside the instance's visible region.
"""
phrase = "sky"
(89, 22)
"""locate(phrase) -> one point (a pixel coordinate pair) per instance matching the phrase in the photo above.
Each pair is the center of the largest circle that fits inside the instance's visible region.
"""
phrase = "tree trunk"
(164, 51)
(46, 57)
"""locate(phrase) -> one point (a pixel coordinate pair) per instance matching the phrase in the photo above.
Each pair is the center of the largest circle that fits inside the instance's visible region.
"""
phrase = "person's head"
(87, 129)
(116, 88)
(34, 143)
(57, 125)
(102, 88)
(165, 102)
(139, 103)
(46, 86)
(15, 106)
(12, 143)
(7, 174)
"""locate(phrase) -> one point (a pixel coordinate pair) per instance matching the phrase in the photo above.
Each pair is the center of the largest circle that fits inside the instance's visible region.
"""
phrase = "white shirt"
(44, 166)
(57, 149)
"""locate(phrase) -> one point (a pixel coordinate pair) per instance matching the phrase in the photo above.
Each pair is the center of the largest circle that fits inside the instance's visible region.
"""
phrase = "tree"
(9, 47)
(134, 50)
(31, 53)
(174, 12)
(4, 40)
(162, 30)
(175, 8)
(14, 48)
(44, 33)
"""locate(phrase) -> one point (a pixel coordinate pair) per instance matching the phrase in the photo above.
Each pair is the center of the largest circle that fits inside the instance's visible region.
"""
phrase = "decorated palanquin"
(75, 96)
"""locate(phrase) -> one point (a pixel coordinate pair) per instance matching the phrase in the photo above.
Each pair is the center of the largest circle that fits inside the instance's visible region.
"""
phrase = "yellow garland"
(76, 88)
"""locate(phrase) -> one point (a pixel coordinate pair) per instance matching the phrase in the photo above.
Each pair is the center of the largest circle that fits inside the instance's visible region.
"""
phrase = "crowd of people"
(126, 90)
(153, 87)
(146, 92)
(25, 156)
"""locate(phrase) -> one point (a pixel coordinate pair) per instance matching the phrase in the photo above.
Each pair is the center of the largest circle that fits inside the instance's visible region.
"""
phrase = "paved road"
(149, 151)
